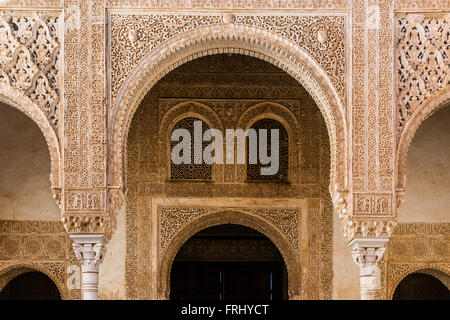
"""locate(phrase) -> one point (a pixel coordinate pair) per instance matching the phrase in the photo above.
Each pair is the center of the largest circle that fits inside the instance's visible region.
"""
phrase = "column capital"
(367, 253)
(90, 250)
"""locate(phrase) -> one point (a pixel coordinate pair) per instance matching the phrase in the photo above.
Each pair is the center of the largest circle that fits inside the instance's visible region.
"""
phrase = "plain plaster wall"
(25, 192)
(428, 172)
(345, 271)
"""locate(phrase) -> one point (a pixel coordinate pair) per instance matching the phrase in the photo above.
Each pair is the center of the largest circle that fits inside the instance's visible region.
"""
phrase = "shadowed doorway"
(228, 262)
(31, 285)
(420, 286)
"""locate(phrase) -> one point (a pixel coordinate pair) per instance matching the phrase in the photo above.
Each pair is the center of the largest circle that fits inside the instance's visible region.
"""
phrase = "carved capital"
(90, 255)
(88, 223)
(90, 250)
(367, 259)
(367, 253)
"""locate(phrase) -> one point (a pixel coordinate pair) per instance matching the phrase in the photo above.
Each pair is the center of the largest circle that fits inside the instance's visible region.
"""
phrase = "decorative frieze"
(411, 5)
(241, 4)
(84, 200)
(378, 204)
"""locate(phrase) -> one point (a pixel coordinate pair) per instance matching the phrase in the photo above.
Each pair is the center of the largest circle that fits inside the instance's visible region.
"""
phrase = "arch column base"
(90, 250)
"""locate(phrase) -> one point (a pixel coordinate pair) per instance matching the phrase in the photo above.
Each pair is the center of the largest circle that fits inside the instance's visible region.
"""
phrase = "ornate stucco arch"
(435, 102)
(9, 273)
(230, 217)
(278, 112)
(188, 109)
(438, 271)
(20, 101)
(229, 38)
(271, 110)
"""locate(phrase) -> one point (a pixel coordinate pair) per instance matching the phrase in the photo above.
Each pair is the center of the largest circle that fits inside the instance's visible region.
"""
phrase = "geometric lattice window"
(254, 170)
(190, 171)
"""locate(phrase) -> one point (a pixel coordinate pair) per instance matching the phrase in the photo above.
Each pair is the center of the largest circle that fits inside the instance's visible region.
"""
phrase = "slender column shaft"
(90, 249)
(367, 253)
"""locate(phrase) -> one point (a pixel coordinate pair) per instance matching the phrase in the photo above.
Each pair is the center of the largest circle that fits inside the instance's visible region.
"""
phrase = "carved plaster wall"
(221, 37)
(423, 76)
(158, 206)
(415, 247)
(367, 107)
(39, 245)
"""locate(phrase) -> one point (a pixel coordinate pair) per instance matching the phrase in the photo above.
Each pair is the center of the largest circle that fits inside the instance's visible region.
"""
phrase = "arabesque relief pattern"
(229, 107)
(414, 247)
(31, 42)
(173, 219)
(135, 36)
(84, 116)
(372, 129)
(29, 57)
(40, 245)
(241, 4)
(264, 4)
(423, 61)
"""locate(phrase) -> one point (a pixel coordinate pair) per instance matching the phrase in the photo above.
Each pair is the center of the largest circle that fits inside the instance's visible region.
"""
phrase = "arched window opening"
(261, 157)
(193, 170)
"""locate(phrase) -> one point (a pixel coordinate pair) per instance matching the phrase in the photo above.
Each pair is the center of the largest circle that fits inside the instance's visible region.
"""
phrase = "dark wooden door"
(226, 281)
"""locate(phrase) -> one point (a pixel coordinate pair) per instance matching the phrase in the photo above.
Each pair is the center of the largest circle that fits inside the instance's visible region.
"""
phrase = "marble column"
(367, 253)
(90, 250)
